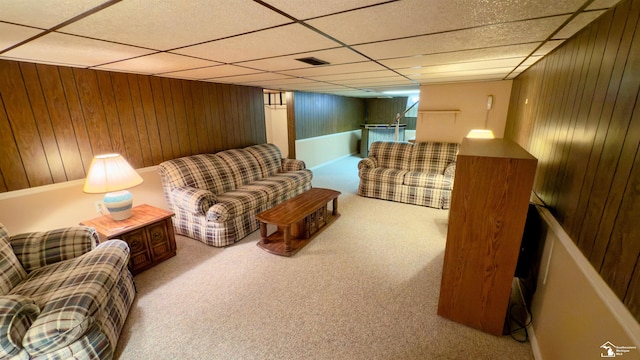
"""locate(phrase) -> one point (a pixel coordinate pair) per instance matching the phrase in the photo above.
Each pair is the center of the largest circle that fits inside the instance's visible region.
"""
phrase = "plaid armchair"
(419, 174)
(62, 296)
(216, 197)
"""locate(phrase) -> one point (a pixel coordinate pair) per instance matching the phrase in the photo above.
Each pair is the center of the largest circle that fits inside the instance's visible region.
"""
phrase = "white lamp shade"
(108, 173)
(480, 134)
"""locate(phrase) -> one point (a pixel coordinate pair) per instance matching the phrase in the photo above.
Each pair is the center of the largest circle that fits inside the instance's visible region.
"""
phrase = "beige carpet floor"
(365, 288)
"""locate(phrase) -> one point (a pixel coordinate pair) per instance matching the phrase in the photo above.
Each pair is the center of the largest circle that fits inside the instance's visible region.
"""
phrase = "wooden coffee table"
(298, 219)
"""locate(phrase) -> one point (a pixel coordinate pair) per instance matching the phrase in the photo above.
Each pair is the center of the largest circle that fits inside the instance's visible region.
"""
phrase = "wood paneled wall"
(383, 111)
(54, 119)
(323, 114)
(578, 111)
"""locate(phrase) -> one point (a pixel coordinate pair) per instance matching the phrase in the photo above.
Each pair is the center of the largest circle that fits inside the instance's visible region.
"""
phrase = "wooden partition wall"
(54, 119)
(578, 111)
(317, 114)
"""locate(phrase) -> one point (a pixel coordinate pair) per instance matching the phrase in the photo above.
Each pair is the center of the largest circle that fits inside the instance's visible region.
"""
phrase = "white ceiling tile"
(461, 56)
(307, 9)
(466, 66)
(44, 14)
(488, 36)
(470, 73)
(157, 63)
(169, 24)
(283, 40)
(420, 17)
(212, 72)
(355, 75)
(547, 47)
(577, 24)
(68, 49)
(335, 69)
(250, 78)
(341, 55)
(602, 4)
(14, 34)
(256, 43)
(395, 80)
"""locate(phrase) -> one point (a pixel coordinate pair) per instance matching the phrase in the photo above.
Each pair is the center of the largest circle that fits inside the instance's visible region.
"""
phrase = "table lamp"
(112, 174)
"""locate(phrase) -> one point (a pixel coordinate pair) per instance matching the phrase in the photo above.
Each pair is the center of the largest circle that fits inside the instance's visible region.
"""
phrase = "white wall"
(322, 149)
(471, 101)
(573, 311)
(61, 205)
(275, 119)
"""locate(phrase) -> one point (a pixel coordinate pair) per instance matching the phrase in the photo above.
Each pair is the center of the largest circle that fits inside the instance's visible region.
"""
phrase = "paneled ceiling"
(371, 46)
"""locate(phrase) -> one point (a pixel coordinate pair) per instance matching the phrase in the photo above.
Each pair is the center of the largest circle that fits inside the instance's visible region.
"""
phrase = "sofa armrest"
(450, 170)
(367, 163)
(194, 200)
(17, 313)
(292, 165)
(69, 311)
(38, 249)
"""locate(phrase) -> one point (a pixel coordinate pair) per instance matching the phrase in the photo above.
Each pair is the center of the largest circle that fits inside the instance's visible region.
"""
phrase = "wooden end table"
(149, 233)
(298, 219)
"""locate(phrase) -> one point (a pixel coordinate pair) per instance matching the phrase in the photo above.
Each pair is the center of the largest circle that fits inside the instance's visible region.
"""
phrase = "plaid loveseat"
(62, 296)
(419, 174)
(216, 197)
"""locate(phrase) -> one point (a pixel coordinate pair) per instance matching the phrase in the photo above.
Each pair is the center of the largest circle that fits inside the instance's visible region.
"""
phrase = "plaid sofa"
(419, 174)
(216, 197)
(62, 296)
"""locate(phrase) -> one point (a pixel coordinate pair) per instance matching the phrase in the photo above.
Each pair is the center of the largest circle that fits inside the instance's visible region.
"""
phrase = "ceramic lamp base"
(119, 204)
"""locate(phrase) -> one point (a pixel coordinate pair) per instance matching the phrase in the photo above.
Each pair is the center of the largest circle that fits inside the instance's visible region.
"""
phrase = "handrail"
(400, 116)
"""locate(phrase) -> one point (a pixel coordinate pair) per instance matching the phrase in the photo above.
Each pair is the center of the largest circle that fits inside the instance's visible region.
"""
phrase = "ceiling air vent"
(313, 61)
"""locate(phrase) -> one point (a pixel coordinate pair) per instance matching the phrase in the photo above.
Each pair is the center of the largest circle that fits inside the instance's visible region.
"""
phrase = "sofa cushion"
(433, 157)
(202, 171)
(17, 313)
(295, 178)
(11, 271)
(383, 175)
(69, 294)
(235, 203)
(392, 155)
(268, 156)
(429, 180)
(242, 164)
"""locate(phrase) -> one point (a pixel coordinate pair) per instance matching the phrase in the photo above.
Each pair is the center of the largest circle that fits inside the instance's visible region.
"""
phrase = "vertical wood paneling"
(23, 127)
(323, 114)
(10, 160)
(141, 124)
(53, 120)
(583, 124)
(77, 119)
(43, 125)
(58, 111)
(111, 114)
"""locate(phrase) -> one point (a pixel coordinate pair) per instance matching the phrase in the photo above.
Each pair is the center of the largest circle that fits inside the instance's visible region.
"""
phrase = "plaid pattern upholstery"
(420, 174)
(292, 165)
(391, 155)
(243, 166)
(227, 216)
(433, 157)
(72, 302)
(38, 249)
(70, 294)
(193, 199)
(268, 156)
(17, 313)
(11, 271)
